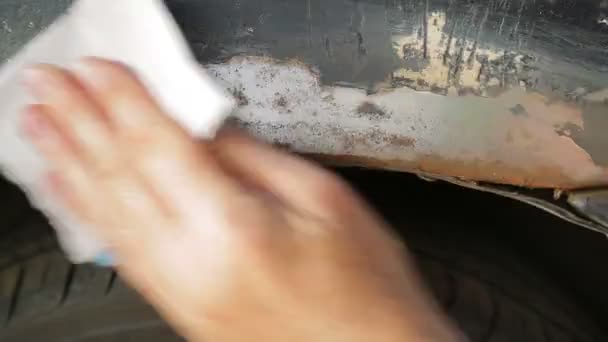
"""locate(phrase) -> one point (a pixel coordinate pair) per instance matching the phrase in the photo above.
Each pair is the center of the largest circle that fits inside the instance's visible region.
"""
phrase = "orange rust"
(483, 171)
(528, 148)
(372, 138)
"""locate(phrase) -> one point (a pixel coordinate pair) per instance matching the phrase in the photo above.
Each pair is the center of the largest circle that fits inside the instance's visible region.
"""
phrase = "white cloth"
(139, 33)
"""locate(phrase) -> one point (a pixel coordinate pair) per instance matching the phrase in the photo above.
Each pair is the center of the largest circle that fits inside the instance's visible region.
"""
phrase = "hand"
(230, 240)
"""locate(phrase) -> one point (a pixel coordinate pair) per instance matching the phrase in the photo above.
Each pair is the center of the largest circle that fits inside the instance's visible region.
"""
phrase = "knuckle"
(112, 69)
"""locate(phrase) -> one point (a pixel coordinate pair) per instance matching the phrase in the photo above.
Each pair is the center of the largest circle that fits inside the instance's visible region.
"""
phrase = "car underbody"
(508, 97)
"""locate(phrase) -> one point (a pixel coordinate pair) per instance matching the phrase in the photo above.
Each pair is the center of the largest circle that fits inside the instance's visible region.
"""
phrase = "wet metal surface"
(503, 91)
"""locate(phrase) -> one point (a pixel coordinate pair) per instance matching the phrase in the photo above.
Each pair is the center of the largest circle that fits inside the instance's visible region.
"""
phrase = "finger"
(72, 110)
(296, 181)
(69, 182)
(82, 133)
(91, 199)
(167, 157)
(127, 102)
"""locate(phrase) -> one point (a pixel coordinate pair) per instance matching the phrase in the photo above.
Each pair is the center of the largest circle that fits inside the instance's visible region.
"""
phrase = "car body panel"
(503, 92)
(510, 92)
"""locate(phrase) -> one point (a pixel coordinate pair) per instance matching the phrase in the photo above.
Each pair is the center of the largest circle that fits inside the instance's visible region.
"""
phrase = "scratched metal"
(503, 91)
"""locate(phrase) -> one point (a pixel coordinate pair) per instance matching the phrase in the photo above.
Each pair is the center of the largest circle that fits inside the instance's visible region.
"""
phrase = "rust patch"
(351, 140)
(371, 109)
(482, 171)
(400, 140)
(513, 139)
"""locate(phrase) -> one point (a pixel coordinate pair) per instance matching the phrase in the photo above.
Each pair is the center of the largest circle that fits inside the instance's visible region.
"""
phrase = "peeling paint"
(464, 137)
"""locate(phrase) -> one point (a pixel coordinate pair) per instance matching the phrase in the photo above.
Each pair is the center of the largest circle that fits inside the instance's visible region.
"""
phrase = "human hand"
(230, 240)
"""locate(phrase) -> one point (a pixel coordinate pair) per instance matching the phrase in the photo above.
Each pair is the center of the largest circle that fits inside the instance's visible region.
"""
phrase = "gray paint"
(593, 136)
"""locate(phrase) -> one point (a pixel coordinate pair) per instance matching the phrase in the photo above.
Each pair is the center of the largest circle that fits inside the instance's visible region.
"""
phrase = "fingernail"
(38, 82)
(105, 259)
(88, 70)
(35, 124)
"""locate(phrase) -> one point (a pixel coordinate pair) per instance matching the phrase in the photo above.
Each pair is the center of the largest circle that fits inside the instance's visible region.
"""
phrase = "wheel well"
(570, 254)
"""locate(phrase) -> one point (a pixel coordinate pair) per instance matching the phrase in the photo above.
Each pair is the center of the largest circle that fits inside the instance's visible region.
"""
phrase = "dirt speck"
(281, 102)
(422, 83)
(240, 97)
(399, 140)
(371, 110)
(282, 145)
(519, 110)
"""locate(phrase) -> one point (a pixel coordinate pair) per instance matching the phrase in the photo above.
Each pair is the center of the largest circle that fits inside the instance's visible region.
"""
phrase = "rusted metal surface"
(517, 137)
(507, 91)
(503, 91)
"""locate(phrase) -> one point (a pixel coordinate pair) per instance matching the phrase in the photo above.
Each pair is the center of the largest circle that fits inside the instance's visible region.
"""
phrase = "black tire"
(492, 296)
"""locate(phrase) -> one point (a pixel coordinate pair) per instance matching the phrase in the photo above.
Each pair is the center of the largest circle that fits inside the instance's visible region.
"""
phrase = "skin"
(230, 240)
